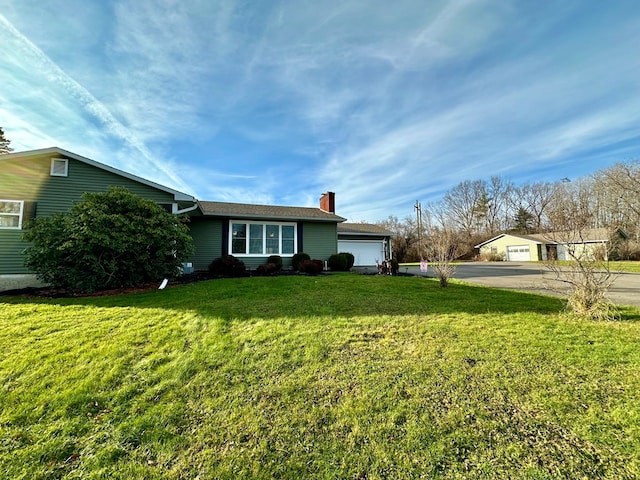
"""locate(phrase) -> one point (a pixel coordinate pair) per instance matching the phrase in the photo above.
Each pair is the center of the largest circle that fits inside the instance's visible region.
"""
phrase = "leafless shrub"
(589, 281)
(587, 273)
(442, 250)
(492, 257)
(582, 252)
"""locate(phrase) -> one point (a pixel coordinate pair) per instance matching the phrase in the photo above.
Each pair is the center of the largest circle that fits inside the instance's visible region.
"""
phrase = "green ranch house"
(46, 181)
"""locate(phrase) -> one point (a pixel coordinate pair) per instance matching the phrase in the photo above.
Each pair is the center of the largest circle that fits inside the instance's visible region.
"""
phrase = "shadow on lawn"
(345, 295)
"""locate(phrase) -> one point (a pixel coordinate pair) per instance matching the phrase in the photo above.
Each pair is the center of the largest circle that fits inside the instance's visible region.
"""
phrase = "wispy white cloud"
(67, 100)
(276, 102)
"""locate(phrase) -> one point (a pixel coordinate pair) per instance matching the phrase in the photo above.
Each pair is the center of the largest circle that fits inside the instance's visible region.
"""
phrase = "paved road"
(534, 277)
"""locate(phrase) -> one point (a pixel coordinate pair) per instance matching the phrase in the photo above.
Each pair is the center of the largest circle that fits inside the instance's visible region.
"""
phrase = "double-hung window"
(11, 213)
(259, 239)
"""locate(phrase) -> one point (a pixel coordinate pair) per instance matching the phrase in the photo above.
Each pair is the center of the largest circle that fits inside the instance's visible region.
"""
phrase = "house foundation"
(17, 282)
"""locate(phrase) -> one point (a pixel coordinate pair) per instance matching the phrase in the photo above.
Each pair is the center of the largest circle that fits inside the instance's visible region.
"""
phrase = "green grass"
(339, 376)
(625, 266)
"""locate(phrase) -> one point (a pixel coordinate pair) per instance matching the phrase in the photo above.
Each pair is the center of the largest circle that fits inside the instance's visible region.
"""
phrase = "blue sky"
(277, 101)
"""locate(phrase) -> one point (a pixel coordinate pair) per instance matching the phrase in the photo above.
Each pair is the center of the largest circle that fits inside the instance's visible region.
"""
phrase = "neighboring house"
(369, 244)
(552, 245)
(51, 180)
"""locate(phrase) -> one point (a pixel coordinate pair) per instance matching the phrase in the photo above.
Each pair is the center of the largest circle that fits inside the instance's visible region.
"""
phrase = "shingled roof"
(592, 235)
(595, 235)
(266, 212)
(363, 229)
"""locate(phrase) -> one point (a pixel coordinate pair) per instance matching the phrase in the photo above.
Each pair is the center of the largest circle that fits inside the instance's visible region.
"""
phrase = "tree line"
(475, 210)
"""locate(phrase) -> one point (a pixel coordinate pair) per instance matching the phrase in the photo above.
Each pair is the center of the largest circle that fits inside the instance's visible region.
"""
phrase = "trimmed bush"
(298, 258)
(275, 260)
(337, 262)
(350, 259)
(267, 269)
(341, 262)
(311, 267)
(227, 266)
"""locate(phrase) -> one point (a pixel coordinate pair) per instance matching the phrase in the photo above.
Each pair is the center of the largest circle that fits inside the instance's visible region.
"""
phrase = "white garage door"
(518, 253)
(366, 252)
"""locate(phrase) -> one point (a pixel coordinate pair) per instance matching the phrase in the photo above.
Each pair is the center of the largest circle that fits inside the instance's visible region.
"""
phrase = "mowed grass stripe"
(338, 376)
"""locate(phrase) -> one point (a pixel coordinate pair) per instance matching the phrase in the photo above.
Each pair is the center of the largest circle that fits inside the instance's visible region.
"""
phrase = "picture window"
(260, 239)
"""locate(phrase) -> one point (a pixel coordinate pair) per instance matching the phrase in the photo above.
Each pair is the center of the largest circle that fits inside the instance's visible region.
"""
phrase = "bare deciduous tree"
(462, 203)
(498, 213)
(404, 244)
(536, 198)
(620, 186)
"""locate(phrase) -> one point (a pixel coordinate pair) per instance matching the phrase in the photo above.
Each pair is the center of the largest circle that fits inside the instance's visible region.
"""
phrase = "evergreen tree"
(4, 143)
(523, 221)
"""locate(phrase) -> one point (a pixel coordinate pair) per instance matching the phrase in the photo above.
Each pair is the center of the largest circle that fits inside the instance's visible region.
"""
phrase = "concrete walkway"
(535, 277)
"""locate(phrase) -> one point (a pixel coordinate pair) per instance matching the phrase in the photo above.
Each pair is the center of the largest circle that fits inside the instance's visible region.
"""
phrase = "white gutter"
(185, 210)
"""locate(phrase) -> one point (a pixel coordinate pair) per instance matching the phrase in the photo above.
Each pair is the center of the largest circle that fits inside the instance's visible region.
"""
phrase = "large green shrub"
(108, 240)
(298, 258)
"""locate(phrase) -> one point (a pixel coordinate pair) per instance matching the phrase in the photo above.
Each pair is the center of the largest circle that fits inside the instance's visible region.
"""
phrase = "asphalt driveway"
(534, 277)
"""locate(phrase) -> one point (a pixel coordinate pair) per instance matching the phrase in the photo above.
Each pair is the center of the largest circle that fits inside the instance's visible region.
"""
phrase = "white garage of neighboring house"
(368, 243)
(543, 246)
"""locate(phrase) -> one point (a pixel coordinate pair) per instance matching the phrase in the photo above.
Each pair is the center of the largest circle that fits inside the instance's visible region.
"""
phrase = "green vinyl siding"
(207, 241)
(29, 179)
(59, 193)
(11, 247)
(319, 240)
(254, 262)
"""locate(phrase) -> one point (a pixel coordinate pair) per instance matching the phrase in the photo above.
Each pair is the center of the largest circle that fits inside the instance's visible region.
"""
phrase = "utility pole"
(418, 208)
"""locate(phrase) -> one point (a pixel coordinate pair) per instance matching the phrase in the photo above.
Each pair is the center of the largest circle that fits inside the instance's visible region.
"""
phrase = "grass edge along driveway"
(337, 376)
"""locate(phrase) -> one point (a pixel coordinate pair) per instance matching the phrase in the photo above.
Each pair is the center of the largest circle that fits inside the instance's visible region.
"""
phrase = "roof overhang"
(366, 234)
(519, 237)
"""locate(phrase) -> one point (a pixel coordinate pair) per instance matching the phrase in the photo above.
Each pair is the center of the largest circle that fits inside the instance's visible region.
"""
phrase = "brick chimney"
(328, 202)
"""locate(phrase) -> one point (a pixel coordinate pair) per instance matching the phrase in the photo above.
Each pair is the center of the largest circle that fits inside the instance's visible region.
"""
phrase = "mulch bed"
(50, 292)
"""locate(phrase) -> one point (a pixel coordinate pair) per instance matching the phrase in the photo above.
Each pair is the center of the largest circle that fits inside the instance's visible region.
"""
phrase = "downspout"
(187, 267)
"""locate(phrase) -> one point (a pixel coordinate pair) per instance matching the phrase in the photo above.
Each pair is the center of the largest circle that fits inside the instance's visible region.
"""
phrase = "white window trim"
(54, 172)
(264, 239)
(19, 215)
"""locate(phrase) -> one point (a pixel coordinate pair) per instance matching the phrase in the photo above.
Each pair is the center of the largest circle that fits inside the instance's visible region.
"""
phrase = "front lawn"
(337, 376)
